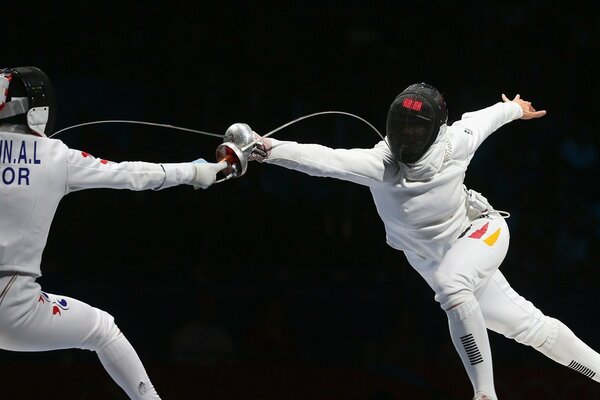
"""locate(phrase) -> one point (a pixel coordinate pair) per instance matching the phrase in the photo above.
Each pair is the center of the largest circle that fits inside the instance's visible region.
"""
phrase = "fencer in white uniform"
(35, 173)
(450, 235)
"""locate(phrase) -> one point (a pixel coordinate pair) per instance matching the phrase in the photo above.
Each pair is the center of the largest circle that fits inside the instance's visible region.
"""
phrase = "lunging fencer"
(450, 235)
(35, 173)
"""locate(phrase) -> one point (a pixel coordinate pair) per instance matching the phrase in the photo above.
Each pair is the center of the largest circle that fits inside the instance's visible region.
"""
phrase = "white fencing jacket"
(423, 205)
(35, 173)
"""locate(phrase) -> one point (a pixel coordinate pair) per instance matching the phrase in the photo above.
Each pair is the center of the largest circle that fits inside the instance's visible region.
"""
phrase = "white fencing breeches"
(469, 275)
(32, 320)
(457, 280)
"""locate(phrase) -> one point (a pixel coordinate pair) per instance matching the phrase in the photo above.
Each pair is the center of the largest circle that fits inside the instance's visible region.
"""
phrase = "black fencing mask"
(414, 120)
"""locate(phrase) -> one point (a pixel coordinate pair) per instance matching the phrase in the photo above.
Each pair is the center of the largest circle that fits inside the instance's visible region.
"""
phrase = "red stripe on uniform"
(480, 232)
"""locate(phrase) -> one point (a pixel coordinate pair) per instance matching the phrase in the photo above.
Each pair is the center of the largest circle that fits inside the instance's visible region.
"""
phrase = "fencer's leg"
(567, 349)
(36, 321)
(469, 336)
(125, 367)
(511, 315)
(466, 267)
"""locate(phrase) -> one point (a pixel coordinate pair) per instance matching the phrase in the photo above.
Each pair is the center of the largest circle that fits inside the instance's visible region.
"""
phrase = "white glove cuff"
(177, 174)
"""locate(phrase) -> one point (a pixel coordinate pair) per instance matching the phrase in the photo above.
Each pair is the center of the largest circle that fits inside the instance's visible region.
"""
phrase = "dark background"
(278, 285)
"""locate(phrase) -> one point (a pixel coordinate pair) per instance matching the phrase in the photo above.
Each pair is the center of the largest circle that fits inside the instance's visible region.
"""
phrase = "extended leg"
(32, 320)
(511, 315)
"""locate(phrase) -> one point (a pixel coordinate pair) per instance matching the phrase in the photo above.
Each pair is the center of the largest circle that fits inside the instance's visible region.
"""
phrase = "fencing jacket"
(423, 205)
(35, 173)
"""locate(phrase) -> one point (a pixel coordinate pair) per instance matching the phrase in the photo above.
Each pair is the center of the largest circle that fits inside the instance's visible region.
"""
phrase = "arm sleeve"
(480, 124)
(86, 172)
(363, 166)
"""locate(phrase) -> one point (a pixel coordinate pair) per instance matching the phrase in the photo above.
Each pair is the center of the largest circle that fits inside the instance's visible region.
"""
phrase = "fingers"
(258, 155)
(260, 152)
(537, 114)
(529, 112)
(505, 99)
(261, 149)
(533, 114)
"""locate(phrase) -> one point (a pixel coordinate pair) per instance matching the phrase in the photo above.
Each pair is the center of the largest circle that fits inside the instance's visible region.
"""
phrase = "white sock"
(567, 349)
(469, 335)
(123, 364)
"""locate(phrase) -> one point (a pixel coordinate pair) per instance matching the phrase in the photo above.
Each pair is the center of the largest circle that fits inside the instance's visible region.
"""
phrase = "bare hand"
(528, 111)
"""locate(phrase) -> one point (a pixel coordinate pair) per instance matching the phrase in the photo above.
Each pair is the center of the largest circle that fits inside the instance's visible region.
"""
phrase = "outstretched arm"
(86, 172)
(480, 124)
(363, 166)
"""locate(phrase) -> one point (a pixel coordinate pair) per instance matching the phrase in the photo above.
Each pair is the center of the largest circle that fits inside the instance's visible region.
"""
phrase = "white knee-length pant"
(470, 268)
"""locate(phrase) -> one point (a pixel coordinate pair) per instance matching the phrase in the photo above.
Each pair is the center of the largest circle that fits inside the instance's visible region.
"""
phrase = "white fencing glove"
(205, 173)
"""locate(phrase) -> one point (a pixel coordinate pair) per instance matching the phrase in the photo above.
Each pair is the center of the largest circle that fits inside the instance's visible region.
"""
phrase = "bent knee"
(453, 290)
(104, 332)
(533, 333)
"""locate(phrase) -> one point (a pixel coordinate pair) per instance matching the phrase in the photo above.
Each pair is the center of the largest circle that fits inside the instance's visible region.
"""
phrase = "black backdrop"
(278, 285)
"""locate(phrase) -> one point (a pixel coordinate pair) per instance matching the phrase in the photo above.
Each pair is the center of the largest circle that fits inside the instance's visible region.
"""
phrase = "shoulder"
(459, 136)
(458, 131)
(51, 142)
(56, 146)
